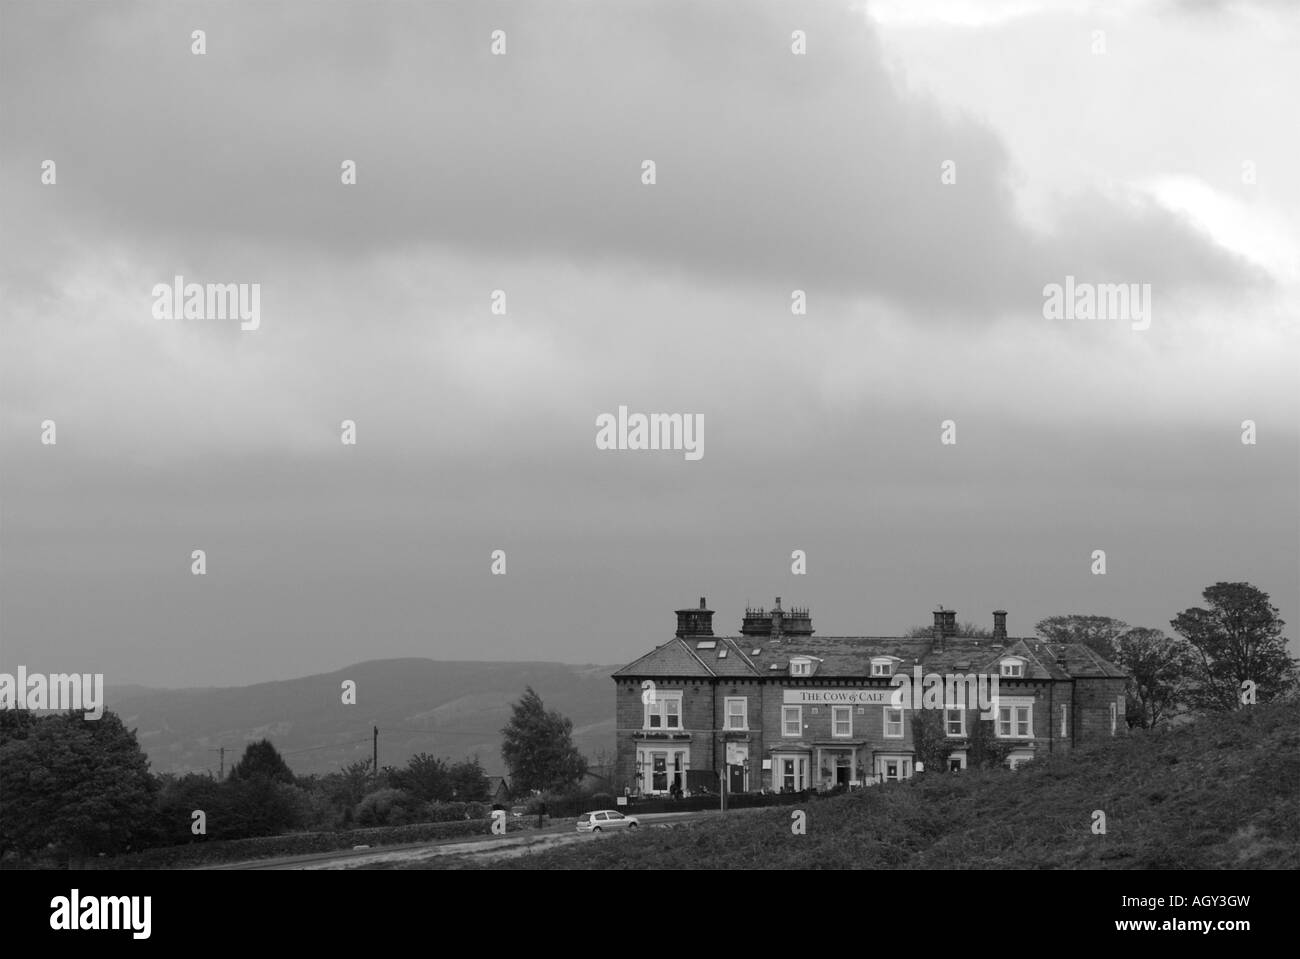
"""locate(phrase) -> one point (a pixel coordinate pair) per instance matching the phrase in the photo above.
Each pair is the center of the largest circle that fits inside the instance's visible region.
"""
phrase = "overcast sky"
(523, 172)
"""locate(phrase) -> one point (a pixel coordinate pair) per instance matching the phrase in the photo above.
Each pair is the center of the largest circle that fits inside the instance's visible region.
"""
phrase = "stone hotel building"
(778, 708)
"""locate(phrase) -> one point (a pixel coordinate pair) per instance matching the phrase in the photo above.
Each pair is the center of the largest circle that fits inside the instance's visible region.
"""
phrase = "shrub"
(389, 807)
(444, 811)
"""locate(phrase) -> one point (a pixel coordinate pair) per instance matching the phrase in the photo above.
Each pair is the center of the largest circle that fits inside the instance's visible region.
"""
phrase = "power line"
(308, 749)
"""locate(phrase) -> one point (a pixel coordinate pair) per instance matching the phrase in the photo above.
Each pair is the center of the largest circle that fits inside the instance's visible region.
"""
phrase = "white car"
(605, 819)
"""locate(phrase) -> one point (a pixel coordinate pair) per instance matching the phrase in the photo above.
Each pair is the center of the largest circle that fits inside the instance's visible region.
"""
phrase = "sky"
(922, 172)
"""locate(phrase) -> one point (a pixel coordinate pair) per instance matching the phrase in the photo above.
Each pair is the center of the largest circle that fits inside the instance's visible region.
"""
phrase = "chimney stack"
(1000, 625)
(777, 623)
(695, 622)
(950, 622)
(936, 632)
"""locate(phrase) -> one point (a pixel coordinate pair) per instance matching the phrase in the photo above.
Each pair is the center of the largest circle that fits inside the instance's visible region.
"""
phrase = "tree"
(985, 749)
(262, 806)
(930, 740)
(79, 785)
(344, 789)
(1098, 633)
(262, 760)
(425, 777)
(468, 781)
(963, 629)
(538, 747)
(1237, 639)
(1158, 668)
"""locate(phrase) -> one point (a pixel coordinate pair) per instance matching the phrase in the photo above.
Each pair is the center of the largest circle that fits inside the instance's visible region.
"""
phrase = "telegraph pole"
(375, 754)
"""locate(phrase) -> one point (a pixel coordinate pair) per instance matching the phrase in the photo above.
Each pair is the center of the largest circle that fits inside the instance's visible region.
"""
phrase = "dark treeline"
(74, 789)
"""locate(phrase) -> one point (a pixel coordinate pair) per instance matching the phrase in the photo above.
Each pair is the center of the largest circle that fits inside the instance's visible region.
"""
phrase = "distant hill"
(451, 709)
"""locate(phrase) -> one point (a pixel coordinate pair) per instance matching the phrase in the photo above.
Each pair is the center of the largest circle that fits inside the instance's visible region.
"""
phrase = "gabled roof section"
(737, 662)
(1080, 661)
(673, 658)
(1039, 664)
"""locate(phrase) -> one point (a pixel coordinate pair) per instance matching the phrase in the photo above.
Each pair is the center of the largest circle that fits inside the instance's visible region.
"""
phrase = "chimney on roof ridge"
(695, 622)
(999, 624)
(777, 623)
(936, 631)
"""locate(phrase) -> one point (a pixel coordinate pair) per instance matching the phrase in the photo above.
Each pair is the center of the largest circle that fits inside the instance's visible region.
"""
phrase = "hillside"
(1218, 793)
(449, 709)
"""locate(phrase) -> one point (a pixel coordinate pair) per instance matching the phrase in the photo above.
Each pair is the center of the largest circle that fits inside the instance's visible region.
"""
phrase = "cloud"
(803, 171)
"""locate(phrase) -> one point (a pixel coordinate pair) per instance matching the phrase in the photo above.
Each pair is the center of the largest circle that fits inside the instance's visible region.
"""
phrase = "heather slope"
(1222, 792)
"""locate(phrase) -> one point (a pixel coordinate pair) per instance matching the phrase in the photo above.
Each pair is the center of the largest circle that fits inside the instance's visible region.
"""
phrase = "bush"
(445, 811)
(389, 807)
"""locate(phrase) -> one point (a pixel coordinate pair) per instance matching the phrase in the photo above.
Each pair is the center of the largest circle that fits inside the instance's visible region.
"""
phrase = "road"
(492, 847)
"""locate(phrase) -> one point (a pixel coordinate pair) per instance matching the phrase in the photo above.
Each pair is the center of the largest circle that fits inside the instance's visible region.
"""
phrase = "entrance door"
(659, 781)
(736, 778)
(791, 774)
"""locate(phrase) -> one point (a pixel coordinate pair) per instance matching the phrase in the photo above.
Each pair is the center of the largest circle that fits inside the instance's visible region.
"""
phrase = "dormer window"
(1013, 668)
(882, 666)
(801, 667)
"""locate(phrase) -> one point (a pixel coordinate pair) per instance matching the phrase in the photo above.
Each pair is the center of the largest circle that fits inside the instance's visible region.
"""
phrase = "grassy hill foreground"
(1223, 792)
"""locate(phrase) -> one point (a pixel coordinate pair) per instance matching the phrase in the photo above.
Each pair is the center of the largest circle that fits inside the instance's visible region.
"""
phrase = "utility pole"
(375, 754)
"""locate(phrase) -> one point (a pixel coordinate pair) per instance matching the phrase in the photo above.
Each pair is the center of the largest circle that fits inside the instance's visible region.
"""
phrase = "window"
(665, 712)
(842, 721)
(800, 667)
(954, 722)
(893, 768)
(1015, 722)
(882, 667)
(893, 723)
(658, 770)
(791, 773)
(791, 720)
(737, 716)
(956, 762)
(1013, 668)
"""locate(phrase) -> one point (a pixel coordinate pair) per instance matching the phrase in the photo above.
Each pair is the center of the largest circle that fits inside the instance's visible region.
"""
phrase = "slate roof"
(850, 657)
(673, 658)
